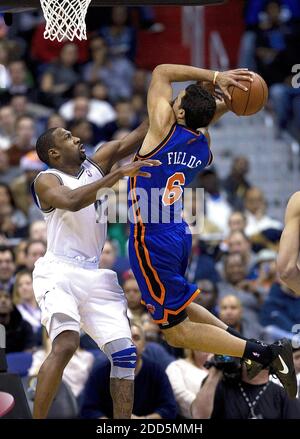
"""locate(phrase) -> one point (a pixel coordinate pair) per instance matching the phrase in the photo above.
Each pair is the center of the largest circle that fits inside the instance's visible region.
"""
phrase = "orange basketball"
(245, 103)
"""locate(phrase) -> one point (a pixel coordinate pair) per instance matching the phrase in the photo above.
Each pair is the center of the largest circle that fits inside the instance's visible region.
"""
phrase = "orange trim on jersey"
(159, 147)
(160, 299)
(197, 133)
(170, 311)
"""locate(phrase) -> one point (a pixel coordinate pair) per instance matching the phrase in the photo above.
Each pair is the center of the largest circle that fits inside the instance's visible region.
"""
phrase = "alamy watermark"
(296, 77)
(148, 207)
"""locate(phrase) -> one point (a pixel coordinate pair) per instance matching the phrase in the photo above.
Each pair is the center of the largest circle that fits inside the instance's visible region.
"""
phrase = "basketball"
(245, 103)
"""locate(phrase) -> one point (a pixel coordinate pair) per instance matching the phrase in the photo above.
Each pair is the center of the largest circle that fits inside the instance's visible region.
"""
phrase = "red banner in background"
(227, 20)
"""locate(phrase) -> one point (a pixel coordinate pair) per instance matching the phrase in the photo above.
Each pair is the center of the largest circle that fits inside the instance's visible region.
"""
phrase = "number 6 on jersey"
(173, 190)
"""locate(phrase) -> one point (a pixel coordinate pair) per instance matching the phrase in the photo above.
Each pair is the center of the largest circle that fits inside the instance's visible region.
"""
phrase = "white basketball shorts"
(91, 297)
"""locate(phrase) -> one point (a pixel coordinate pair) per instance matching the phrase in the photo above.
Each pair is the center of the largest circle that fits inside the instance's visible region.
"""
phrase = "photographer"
(227, 393)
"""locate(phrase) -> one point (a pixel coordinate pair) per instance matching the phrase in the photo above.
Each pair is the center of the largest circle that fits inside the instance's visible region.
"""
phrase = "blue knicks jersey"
(158, 200)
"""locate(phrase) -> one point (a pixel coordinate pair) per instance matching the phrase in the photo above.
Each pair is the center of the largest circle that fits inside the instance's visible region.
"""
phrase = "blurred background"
(97, 89)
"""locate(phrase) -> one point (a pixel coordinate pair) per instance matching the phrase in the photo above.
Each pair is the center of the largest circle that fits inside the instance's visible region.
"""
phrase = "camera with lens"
(230, 366)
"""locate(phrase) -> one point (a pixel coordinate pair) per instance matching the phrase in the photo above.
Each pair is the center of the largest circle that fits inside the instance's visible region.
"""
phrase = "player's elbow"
(74, 205)
(159, 70)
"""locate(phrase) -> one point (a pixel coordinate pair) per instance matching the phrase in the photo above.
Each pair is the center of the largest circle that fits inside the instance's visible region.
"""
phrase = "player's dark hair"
(44, 143)
(199, 106)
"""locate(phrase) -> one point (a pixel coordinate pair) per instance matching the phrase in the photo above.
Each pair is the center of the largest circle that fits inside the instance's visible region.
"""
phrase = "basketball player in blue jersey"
(158, 249)
(69, 287)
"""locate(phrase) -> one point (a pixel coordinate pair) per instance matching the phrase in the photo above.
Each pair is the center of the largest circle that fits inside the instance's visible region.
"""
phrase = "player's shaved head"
(44, 143)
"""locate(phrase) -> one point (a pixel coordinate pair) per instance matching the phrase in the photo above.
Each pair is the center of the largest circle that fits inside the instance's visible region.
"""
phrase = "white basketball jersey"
(79, 234)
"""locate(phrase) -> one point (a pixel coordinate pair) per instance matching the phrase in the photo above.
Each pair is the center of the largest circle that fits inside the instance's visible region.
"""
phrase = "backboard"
(15, 5)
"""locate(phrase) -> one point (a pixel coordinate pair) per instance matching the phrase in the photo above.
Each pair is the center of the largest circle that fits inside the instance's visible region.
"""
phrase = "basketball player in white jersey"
(70, 289)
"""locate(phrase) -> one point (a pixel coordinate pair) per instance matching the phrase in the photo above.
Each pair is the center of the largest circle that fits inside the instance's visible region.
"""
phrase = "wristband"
(215, 77)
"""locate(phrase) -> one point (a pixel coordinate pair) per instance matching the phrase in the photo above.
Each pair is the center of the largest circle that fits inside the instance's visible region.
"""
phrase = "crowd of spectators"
(270, 47)
(95, 89)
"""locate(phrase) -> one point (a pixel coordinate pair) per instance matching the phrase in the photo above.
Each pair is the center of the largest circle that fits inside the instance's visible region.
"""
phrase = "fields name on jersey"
(183, 158)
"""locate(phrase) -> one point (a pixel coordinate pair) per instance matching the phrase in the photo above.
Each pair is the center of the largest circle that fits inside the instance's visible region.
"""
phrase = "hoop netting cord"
(65, 19)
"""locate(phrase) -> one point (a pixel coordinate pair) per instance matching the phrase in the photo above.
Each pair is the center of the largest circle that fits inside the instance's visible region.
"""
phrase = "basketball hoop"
(65, 19)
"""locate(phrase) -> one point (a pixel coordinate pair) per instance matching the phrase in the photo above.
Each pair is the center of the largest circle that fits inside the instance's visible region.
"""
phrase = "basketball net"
(65, 19)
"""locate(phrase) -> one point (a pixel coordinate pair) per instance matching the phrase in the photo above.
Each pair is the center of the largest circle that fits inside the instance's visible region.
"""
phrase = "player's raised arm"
(112, 152)
(52, 194)
(161, 114)
(287, 261)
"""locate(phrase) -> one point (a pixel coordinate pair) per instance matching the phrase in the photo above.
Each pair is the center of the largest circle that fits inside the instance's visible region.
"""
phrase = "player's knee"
(122, 356)
(65, 345)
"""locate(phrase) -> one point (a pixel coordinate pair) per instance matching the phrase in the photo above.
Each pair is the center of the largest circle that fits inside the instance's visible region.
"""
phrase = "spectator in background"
(119, 37)
(24, 140)
(110, 260)
(209, 295)
(7, 268)
(55, 121)
(257, 218)
(19, 105)
(133, 296)
(13, 222)
(238, 242)
(18, 81)
(141, 81)
(99, 91)
(231, 313)
(7, 126)
(35, 249)
(31, 166)
(19, 335)
(95, 111)
(153, 396)
(23, 107)
(217, 209)
(280, 312)
(235, 284)
(44, 51)
(20, 255)
(23, 298)
(201, 263)
(237, 222)
(60, 77)
(265, 271)
(272, 44)
(125, 120)
(38, 231)
(236, 184)
(186, 376)
(242, 398)
(7, 172)
(116, 74)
